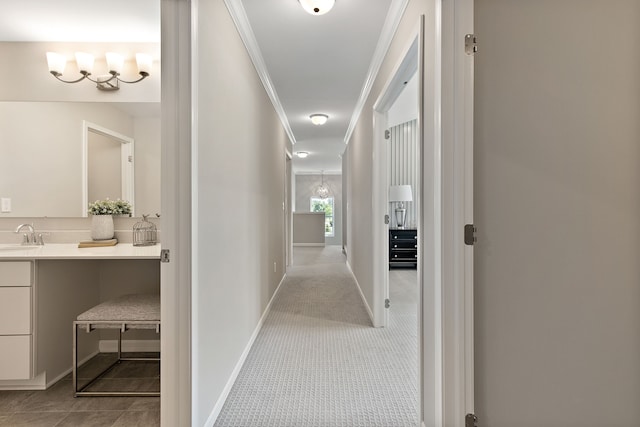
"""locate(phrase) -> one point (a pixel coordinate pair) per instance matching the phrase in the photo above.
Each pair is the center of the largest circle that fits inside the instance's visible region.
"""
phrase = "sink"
(17, 247)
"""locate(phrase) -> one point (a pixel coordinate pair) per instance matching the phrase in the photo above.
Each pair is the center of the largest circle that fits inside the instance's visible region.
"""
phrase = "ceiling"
(316, 64)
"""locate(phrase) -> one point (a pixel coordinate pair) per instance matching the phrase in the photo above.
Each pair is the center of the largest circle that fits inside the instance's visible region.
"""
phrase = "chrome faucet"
(30, 238)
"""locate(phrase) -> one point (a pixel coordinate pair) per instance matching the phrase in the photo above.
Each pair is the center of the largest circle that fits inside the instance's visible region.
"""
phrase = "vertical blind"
(404, 167)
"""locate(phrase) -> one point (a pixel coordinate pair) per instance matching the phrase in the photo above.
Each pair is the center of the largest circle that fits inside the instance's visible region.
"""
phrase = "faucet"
(30, 238)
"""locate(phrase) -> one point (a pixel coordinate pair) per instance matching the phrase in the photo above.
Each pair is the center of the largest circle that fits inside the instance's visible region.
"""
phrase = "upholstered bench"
(139, 311)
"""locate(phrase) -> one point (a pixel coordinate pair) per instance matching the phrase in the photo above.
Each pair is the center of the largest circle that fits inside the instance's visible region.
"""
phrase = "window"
(326, 206)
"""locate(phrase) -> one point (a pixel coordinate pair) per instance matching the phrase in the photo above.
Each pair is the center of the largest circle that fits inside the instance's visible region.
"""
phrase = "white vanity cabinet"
(16, 320)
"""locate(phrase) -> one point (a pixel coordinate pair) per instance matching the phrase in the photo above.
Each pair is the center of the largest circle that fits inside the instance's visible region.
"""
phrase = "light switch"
(5, 204)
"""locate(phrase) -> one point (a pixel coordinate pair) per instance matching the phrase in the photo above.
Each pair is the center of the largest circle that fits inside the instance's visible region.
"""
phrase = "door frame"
(446, 391)
(445, 263)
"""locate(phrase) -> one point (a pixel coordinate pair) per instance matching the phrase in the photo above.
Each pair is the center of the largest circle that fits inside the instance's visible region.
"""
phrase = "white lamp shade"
(56, 62)
(319, 119)
(115, 62)
(317, 7)
(144, 62)
(400, 193)
(84, 61)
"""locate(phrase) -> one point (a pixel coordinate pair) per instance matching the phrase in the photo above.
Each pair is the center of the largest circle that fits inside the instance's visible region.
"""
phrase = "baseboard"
(111, 346)
(68, 371)
(40, 382)
(309, 244)
(364, 300)
(37, 383)
(234, 375)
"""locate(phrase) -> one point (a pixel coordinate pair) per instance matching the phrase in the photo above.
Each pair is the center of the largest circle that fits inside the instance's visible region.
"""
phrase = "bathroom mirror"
(44, 148)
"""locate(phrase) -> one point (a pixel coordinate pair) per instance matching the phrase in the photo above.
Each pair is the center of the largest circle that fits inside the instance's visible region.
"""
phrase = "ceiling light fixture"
(323, 190)
(317, 7)
(319, 119)
(302, 154)
(108, 82)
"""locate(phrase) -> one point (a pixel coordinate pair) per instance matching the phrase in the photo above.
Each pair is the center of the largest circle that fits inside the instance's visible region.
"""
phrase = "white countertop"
(71, 251)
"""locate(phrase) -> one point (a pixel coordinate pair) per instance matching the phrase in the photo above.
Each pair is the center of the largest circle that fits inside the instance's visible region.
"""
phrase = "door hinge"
(386, 219)
(130, 158)
(470, 420)
(470, 44)
(387, 134)
(164, 255)
(470, 234)
(387, 303)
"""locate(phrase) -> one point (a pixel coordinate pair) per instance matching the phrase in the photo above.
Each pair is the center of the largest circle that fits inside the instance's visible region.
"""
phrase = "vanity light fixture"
(108, 82)
(302, 154)
(319, 119)
(317, 7)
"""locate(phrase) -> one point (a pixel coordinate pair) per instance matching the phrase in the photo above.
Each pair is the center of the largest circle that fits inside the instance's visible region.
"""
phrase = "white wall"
(305, 189)
(358, 157)
(239, 194)
(26, 75)
(405, 108)
(557, 203)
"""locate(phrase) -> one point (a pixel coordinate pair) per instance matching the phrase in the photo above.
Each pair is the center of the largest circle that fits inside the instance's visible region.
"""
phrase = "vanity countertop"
(71, 251)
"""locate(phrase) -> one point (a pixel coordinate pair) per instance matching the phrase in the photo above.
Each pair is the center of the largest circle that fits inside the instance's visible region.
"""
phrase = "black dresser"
(403, 247)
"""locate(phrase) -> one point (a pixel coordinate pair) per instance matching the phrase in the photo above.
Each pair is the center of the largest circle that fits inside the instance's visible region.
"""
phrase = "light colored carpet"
(318, 362)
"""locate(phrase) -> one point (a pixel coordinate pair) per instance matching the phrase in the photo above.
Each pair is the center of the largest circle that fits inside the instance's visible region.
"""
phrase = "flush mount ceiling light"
(319, 119)
(115, 63)
(317, 7)
(302, 154)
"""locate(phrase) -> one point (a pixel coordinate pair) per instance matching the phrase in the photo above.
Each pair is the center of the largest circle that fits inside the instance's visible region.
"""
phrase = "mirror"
(44, 163)
(107, 165)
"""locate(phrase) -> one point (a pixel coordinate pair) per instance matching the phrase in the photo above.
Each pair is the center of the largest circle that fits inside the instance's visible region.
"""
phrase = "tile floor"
(56, 406)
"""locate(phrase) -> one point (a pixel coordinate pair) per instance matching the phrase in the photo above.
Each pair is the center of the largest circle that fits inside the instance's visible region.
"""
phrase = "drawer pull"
(395, 237)
(395, 246)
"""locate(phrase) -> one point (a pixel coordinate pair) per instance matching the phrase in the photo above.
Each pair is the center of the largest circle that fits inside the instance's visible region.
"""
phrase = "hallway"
(317, 361)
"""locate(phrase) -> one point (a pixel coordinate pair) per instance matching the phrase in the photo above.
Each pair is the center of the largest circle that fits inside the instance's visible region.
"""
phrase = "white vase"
(102, 227)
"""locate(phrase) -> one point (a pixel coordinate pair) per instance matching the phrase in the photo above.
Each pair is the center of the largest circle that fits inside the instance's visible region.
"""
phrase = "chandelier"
(323, 190)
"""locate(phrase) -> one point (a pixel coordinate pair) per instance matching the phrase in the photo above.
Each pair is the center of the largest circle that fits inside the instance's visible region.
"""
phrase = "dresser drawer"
(15, 357)
(403, 235)
(15, 311)
(403, 244)
(403, 255)
(16, 273)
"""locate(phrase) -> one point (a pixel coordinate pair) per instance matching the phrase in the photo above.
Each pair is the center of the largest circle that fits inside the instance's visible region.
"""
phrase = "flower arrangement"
(110, 207)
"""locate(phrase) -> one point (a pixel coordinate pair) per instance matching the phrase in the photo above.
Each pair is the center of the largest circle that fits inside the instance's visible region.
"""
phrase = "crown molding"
(239, 16)
(391, 23)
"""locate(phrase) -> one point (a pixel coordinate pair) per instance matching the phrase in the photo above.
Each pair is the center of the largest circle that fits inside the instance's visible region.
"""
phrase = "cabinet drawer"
(15, 273)
(403, 244)
(15, 311)
(15, 357)
(403, 255)
(403, 235)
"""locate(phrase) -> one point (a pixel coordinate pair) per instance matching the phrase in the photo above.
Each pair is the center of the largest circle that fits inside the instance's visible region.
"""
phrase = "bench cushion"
(136, 307)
